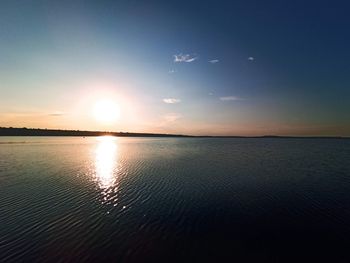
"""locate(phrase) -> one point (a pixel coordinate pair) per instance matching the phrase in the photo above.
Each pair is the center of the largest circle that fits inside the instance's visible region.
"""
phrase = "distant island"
(11, 131)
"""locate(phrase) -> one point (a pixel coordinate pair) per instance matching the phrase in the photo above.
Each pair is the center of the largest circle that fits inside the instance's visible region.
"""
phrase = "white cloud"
(251, 58)
(184, 58)
(171, 100)
(230, 98)
(213, 61)
(172, 71)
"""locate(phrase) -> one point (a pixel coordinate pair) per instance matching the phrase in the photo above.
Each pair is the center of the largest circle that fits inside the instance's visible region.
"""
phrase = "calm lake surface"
(65, 199)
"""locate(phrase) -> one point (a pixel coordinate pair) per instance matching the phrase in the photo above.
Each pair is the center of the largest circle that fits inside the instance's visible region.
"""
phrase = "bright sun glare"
(106, 111)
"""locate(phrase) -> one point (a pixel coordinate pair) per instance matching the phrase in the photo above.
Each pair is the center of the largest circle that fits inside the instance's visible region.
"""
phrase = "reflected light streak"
(105, 161)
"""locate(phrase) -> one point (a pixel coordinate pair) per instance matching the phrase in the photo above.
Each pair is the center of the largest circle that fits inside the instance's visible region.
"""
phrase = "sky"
(186, 67)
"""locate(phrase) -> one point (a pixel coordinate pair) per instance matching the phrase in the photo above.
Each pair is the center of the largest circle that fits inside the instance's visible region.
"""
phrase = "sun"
(106, 111)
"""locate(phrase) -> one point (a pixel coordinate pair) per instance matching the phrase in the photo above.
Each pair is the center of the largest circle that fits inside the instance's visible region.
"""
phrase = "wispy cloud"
(57, 113)
(184, 58)
(230, 98)
(251, 58)
(213, 61)
(171, 71)
(168, 120)
(171, 100)
(171, 117)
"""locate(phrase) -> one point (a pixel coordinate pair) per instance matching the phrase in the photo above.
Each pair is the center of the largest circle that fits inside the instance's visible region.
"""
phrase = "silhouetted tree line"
(10, 131)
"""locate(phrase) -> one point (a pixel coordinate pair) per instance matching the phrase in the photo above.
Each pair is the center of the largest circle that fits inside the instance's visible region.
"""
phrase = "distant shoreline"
(10, 131)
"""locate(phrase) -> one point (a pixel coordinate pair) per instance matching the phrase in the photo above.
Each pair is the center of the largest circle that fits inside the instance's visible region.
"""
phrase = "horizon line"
(91, 133)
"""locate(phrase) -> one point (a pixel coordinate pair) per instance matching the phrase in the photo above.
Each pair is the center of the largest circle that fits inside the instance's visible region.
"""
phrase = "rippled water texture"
(174, 199)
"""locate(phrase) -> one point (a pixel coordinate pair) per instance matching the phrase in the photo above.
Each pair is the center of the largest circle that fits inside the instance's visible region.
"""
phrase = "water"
(174, 199)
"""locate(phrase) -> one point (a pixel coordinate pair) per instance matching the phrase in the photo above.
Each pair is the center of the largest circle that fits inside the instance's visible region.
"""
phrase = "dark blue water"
(174, 199)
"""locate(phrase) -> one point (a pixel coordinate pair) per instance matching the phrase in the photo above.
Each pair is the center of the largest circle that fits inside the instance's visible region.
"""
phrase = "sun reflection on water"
(106, 161)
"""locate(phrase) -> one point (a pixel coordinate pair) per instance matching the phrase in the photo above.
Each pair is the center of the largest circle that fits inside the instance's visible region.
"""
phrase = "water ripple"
(128, 199)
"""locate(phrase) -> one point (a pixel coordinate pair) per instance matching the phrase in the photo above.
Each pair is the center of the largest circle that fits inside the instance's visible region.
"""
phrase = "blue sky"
(195, 67)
